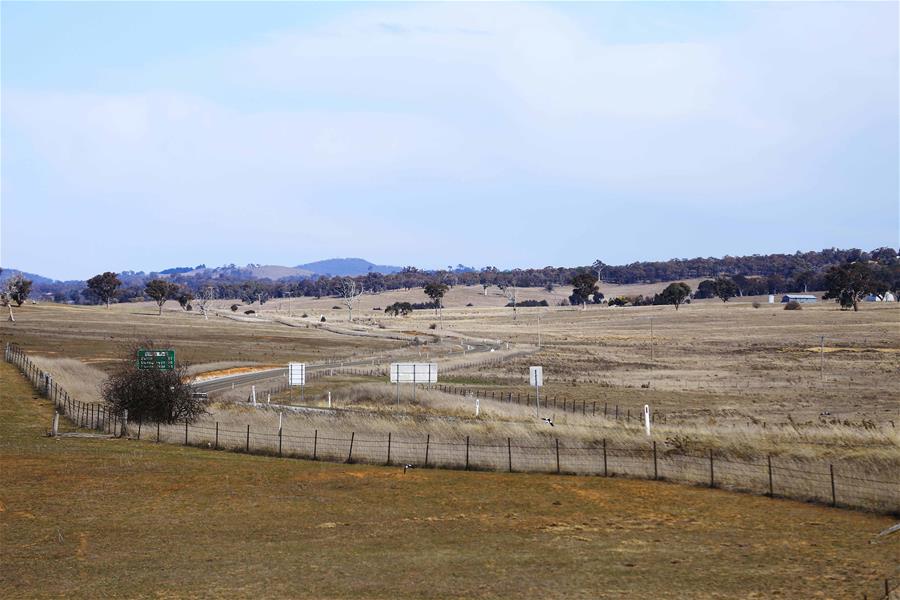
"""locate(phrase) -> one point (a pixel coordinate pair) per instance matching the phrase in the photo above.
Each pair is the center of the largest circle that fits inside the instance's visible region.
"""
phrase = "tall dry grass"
(82, 381)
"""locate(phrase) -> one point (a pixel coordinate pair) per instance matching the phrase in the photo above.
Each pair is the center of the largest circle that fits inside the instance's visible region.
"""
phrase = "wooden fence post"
(279, 442)
(389, 449)
(157, 432)
(247, 446)
(771, 489)
(427, 446)
(185, 433)
(605, 467)
(140, 422)
(217, 435)
(509, 453)
(557, 456)
(712, 479)
(833, 495)
(467, 453)
(655, 468)
(350, 455)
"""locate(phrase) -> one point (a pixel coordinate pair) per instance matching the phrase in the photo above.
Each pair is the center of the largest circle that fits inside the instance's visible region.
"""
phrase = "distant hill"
(38, 279)
(347, 267)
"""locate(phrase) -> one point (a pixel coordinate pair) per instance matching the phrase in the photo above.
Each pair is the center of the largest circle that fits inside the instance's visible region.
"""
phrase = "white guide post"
(536, 379)
(647, 418)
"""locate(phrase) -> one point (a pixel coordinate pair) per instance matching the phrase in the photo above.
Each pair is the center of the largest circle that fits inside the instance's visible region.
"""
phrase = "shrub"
(793, 305)
(335, 308)
(377, 308)
(234, 307)
(432, 326)
(322, 319)
(756, 305)
(250, 312)
(304, 315)
(529, 303)
(470, 304)
(152, 394)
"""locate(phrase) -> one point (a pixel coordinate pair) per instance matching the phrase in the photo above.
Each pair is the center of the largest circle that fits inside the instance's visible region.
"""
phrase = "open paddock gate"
(86, 415)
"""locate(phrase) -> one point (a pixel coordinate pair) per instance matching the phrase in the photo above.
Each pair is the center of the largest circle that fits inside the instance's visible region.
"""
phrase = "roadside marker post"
(536, 379)
(647, 418)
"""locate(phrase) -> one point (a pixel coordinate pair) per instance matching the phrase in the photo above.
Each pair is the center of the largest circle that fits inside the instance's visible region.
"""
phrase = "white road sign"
(536, 376)
(414, 372)
(297, 374)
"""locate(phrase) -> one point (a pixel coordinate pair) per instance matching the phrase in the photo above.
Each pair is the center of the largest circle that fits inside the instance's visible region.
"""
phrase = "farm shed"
(801, 298)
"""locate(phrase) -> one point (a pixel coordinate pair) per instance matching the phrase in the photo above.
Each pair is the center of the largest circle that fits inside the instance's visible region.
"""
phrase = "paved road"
(226, 383)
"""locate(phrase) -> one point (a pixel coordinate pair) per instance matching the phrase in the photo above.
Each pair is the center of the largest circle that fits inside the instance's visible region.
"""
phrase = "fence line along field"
(357, 530)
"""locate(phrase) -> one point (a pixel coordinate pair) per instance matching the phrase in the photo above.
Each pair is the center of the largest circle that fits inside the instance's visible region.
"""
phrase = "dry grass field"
(88, 518)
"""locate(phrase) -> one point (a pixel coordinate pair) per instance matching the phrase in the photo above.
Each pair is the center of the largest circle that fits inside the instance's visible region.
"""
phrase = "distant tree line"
(750, 275)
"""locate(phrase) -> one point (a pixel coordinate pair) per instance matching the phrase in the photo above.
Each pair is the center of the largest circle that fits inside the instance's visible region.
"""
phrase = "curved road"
(227, 382)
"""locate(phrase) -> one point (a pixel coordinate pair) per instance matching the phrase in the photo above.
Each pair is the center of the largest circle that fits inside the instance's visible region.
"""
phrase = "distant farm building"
(801, 298)
(888, 297)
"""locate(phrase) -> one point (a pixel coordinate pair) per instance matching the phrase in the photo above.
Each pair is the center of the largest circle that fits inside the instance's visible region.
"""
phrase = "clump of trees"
(104, 286)
(675, 293)
(160, 290)
(16, 290)
(162, 396)
(584, 288)
(399, 309)
(849, 283)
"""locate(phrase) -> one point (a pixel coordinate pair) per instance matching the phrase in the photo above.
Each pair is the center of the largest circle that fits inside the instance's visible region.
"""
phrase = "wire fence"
(809, 480)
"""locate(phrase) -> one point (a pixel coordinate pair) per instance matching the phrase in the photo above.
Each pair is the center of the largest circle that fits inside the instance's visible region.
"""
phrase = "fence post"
(833, 496)
(55, 429)
(617, 412)
(557, 456)
(185, 433)
(279, 442)
(769, 460)
(140, 422)
(582, 407)
(350, 455)
(217, 435)
(712, 479)
(655, 468)
(509, 453)
(389, 449)
(315, 443)
(605, 468)
(247, 447)
(427, 446)
(467, 453)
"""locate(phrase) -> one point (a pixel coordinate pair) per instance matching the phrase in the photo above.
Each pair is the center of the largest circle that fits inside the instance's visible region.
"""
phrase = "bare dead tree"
(511, 291)
(207, 295)
(349, 292)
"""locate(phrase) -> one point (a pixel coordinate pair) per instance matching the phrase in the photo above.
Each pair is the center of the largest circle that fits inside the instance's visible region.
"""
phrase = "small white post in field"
(253, 394)
(280, 415)
(477, 406)
(536, 379)
(329, 399)
(647, 418)
(55, 429)
(268, 397)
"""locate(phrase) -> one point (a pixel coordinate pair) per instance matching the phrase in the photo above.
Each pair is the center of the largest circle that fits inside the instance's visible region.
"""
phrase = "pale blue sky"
(148, 135)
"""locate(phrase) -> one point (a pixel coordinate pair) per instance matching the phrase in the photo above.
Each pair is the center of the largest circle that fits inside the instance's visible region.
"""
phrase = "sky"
(141, 136)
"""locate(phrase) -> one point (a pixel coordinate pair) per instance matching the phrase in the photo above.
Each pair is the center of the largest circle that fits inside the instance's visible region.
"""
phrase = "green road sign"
(156, 359)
